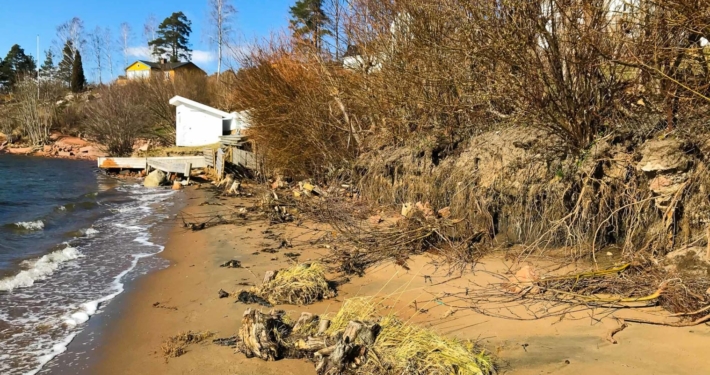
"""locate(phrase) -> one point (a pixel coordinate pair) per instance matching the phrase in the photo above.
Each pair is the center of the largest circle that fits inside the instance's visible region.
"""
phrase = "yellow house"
(142, 69)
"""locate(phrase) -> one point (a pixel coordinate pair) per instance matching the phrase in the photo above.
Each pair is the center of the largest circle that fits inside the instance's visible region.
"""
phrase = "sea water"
(70, 238)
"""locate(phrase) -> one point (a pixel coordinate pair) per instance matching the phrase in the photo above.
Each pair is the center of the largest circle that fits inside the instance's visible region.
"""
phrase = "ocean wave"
(39, 269)
(30, 225)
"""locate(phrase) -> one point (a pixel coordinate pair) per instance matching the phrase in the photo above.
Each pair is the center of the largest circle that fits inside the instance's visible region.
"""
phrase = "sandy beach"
(184, 297)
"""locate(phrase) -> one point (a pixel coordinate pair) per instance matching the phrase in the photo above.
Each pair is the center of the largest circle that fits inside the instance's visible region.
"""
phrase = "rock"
(20, 150)
(154, 179)
(425, 208)
(407, 209)
(46, 148)
(445, 212)
(663, 156)
(691, 260)
(86, 149)
(65, 154)
(177, 185)
(376, 219)
(223, 294)
(524, 278)
(124, 172)
(144, 147)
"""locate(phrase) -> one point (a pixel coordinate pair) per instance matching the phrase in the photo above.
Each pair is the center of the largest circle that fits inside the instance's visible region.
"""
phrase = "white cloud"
(141, 52)
(203, 57)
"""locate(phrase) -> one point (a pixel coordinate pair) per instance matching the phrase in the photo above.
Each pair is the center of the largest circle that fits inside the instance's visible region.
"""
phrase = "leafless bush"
(34, 110)
(117, 118)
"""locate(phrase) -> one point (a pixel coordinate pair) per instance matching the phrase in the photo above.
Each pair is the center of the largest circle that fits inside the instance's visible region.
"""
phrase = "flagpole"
(37, 67)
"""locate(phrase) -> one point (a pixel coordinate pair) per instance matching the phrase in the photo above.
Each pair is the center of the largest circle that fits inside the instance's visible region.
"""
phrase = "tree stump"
(257, 337)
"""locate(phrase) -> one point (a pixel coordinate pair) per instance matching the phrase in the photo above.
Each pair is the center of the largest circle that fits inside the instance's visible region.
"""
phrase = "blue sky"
(21, 22)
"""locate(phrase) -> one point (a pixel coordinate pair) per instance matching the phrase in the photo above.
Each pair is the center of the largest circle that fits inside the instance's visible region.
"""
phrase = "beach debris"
(176, 346)
(301, 284)
(232, 264)
(223, 294)
(159, 305)
(359, 341)
(610, 335)
(177, 185)
(226, 341)
(249, 297)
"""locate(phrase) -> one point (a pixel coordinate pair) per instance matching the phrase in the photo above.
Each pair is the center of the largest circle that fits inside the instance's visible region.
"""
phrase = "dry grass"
(405, 348)
(176, 346)
(301, 284)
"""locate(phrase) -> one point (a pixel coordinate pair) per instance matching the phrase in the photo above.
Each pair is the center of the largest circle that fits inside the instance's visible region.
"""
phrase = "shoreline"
(183, 297)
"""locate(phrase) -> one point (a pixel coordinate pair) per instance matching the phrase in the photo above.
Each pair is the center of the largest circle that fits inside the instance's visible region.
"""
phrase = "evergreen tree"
(16, 65)
(64, 68)
(48, 70)
(77, 74)
(172, 38)
(308, 21)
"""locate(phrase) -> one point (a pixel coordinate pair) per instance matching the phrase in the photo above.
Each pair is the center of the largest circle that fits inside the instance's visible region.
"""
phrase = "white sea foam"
(30, 225)
(90, 231)
(56, 350)
(39, 269)
(62, 208)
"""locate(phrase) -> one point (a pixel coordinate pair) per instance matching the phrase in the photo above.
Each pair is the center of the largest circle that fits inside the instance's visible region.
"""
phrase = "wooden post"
(188, 168)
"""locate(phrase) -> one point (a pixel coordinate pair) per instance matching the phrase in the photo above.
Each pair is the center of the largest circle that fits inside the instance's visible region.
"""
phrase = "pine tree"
(64, 68)
(77, 74)
(172, 38)
(15, 66)
(48, 70)
(308, 21)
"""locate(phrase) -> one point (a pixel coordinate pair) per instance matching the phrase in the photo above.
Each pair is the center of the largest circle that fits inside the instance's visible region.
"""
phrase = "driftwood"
(258, 335)
(266, 336)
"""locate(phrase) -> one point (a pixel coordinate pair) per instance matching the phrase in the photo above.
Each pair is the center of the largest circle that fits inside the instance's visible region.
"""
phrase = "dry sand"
(187, 292)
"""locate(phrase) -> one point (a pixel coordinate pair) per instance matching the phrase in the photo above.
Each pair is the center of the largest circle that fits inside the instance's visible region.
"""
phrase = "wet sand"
(187, 293)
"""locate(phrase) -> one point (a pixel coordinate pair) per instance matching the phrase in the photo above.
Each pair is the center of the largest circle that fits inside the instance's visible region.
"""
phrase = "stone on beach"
(154, 179)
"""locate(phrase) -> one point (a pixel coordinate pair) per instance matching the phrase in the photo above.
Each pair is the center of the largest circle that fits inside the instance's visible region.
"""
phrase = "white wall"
(196, 128)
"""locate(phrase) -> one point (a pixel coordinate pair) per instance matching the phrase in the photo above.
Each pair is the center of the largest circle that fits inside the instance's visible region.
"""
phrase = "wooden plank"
(219, 163)
(244, 158)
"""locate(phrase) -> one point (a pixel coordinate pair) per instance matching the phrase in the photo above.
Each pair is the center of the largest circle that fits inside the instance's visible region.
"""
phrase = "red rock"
(376, 219)
(64, 154)
(47, 148)
(20, 150)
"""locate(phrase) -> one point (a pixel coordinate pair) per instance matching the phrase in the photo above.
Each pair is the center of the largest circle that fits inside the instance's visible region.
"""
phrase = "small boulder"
(177, 185)
(47, 148)
(154, 179)
(661, 156)
(445, 212)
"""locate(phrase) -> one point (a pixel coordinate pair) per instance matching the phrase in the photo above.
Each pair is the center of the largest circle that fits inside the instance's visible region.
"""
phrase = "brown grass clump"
(301, 284)
(176, 346)
(405, 348)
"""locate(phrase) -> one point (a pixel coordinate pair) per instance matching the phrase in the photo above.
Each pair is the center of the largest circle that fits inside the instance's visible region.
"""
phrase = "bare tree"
(221, 16)
(108, 49)
(149, 29)
(97, 50)
(71, 31)
(126, 34)
(336, 11)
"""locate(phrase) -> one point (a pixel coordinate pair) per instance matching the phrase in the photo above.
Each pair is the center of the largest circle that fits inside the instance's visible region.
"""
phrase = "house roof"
(166, 66)
(178, 100)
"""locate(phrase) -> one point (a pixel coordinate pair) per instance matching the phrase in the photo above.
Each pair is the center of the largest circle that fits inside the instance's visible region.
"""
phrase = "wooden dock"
(172, 164)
